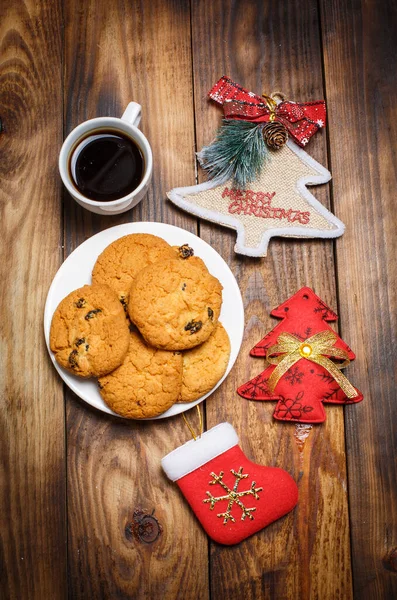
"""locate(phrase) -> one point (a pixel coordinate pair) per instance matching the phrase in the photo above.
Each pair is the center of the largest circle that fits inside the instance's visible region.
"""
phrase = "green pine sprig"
(238, 153)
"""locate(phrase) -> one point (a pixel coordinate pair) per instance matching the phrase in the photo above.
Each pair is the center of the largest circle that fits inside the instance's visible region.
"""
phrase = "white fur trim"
(177, 196)
(195, 453)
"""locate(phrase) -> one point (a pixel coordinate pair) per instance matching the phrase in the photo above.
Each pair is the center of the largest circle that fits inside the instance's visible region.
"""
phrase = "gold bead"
(305, 350)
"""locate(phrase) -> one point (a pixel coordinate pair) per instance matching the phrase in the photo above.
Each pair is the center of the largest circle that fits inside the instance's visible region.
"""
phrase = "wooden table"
(71, 477)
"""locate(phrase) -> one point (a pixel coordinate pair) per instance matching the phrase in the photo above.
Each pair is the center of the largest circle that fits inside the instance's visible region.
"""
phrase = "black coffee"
(109, 166)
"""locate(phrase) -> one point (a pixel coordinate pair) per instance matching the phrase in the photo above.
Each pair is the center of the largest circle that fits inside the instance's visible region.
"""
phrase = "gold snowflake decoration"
(233, 496)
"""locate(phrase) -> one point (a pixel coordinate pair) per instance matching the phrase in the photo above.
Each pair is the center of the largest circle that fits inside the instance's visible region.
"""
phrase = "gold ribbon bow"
(317, 348)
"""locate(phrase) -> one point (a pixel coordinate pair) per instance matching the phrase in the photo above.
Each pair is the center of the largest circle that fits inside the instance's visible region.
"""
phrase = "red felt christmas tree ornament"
(305, 357)
(231, 496)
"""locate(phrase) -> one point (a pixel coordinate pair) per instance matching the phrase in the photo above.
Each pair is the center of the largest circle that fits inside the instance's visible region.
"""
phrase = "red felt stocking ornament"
(231, 496)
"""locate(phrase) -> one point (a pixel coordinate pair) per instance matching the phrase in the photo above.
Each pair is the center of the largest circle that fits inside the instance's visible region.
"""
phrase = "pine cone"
(275, 134)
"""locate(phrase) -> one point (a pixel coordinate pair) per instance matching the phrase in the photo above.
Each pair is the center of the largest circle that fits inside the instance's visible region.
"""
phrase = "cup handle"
(133, 114)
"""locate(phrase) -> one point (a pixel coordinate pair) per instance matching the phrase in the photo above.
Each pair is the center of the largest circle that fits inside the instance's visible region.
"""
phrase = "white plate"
(76, 272)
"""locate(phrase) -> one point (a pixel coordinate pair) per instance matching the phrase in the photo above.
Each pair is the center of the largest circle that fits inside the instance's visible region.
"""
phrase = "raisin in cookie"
(120, 262)
(89, 332)
(204, 366)
(175, 304)
(147, 383)
(185, 252)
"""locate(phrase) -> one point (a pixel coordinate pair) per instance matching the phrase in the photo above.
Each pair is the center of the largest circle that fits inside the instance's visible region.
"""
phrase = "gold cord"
(271, 103)
(200, 423)
(279, 95)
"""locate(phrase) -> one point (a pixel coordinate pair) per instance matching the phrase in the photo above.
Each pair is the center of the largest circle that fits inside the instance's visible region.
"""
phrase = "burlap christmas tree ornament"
(277, 203)
(259, 171)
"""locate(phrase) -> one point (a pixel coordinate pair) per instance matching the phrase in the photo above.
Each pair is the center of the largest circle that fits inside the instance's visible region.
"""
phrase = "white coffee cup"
(128, 124)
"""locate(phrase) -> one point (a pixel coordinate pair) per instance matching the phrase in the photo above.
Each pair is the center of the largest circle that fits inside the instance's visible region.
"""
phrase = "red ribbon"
(301, 120)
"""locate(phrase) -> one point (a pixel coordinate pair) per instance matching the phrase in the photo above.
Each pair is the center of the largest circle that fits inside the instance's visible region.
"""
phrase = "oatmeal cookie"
(175, 304)
(204, 365)
(147, 383)
(89, 332)
(122, 260)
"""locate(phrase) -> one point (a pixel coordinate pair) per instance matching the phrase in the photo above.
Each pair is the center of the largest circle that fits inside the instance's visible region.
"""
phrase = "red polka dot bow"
(301, 120)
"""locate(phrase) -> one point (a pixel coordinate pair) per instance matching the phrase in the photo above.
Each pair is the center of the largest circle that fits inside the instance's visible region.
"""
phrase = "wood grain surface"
(72, 477)
(360, 69)
(32, 427)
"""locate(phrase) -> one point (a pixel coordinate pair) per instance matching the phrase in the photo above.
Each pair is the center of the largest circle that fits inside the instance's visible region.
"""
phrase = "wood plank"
(117, 52)
(360, 47)
(267, 47)
(32, 490)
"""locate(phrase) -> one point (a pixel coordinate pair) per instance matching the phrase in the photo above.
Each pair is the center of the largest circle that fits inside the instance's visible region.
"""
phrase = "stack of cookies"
(147, 327)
